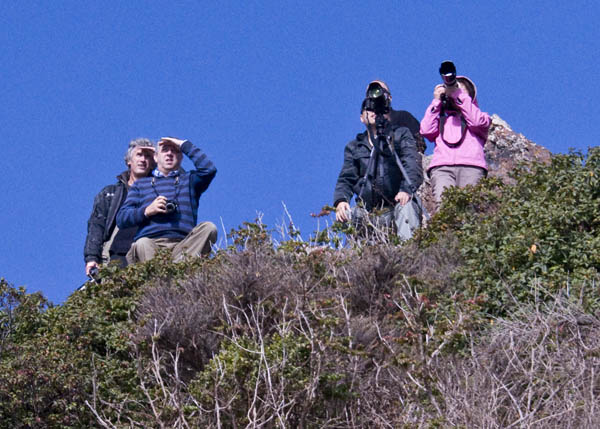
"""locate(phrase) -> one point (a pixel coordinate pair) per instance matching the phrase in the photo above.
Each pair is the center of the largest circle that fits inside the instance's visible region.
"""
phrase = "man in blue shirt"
(164, 206)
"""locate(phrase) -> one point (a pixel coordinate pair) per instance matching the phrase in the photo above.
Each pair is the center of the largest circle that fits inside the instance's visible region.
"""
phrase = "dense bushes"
(539, 369)
(540, 233)
(49, 353)
(318, 338)
(486, 319)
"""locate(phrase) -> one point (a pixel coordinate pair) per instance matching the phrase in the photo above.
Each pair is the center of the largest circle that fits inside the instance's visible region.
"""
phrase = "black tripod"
(384, 137)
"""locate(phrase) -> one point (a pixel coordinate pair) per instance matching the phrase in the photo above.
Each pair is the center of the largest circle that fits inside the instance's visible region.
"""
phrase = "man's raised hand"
(172, 140)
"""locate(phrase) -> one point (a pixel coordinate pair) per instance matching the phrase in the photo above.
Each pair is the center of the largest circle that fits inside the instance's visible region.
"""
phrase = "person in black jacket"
(371, 173)
(104, 241)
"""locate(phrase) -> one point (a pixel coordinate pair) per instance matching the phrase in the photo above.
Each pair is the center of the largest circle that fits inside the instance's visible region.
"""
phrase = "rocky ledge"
(504, 149)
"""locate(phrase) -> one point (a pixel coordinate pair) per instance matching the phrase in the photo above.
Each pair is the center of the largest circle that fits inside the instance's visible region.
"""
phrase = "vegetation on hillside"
(486, 319)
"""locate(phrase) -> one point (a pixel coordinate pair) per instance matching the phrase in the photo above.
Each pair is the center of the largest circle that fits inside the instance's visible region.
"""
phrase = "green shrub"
(338, 331)
(543, 230)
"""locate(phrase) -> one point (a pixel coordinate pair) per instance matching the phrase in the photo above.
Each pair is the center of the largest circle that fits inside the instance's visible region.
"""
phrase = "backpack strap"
(374, 167)
(411, 186)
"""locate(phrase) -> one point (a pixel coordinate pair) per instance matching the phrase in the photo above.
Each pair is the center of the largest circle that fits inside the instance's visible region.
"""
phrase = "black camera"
(448, 74)
(93, 273)
(378, 100)
(171, 206)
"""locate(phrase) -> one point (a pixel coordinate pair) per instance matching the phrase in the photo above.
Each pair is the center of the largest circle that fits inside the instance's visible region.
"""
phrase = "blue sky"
(271, 91)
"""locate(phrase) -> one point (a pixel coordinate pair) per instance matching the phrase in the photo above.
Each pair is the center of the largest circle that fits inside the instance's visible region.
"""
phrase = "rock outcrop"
(504, 149)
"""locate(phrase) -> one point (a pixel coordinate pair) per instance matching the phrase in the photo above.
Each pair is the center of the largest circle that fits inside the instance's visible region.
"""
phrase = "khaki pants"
(197, 242)
(106, 246)
(453, 175)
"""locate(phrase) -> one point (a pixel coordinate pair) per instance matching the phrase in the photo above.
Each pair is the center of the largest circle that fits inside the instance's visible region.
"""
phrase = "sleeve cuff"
(141, 215)
(186, 146)
(435, 105)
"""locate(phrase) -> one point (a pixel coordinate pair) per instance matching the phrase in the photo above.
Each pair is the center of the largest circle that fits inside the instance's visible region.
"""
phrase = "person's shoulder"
(108, 190)
(361, 138)
(143, 183)
(401, 131)
(403, 118)
(404, 138)
(146, 179)
(106, 194)
(121, 182)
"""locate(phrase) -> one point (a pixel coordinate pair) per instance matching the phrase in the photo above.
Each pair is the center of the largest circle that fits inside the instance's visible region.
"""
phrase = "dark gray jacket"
(388, 179)
(102, 220)
(402, 118)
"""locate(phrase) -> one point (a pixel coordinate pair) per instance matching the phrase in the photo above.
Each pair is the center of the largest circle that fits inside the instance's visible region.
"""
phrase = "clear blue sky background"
(270, 90)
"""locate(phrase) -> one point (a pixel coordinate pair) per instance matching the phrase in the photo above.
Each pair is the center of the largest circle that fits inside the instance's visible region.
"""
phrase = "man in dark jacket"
(104, 241)
(370, 172)
(165, 206)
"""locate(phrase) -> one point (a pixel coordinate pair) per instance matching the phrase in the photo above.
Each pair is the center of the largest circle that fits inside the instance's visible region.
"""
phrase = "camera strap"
(463, 129)
(374, 169)
(176, 184)
(411, 186)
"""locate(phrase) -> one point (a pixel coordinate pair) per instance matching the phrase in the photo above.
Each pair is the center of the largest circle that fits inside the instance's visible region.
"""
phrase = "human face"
(141, 161)
(168, 158)
(368, 117)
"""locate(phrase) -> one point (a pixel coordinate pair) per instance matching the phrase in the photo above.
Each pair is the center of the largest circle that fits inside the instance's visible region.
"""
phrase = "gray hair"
(135, 143)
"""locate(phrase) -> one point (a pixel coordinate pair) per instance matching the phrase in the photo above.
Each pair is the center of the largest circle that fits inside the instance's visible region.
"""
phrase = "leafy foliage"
(338, 331)
(49, 353)
(539, 235)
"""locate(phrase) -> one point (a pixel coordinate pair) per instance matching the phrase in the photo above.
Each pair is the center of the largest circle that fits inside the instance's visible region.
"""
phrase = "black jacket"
(102, 220)
(402, 118)
(387, 180)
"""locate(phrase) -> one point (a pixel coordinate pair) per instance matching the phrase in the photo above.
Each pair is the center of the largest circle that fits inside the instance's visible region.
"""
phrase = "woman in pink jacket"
(459, 129)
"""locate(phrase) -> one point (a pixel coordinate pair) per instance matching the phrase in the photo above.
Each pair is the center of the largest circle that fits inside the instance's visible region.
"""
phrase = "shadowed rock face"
(503, 150)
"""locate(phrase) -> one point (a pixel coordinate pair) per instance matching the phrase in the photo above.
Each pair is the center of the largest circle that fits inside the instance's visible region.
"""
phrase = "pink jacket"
(470, 151)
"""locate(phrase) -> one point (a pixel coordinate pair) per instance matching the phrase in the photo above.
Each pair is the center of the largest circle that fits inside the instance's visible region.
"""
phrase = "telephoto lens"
(377, 100)
(448, 73)
(375, 91)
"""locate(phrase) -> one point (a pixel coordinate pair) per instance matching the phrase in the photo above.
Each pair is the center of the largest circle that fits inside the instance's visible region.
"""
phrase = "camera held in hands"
(378, 100)
(448, 74)
(171, 206)
(93, 274)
